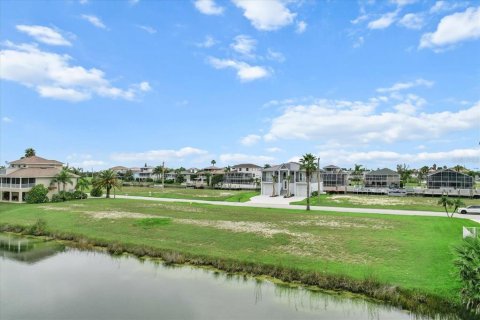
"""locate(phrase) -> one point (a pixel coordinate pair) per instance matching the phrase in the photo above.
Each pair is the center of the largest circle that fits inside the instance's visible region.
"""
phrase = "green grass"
(411, 252)
(381, 202)
(188, 193)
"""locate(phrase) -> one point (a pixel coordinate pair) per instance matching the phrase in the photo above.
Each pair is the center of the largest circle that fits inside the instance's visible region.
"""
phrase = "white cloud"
(384, 21)
(240, 157)
(159, 155)
(244, 45)
(133, 2)
(83, 1)
(207, 43)
(275, 56)
(208, 7)
(360, 122)
(266, 15)
(407, 85)
(245, 72)
(402, 3)
(442, 6)
(144, 86)
(53, 76)
(6, 119)
(274, 149)
(301, 27)
(412, 21)
(148, 29)
(454, 28)
(250, 140)
(44, 34)
(85, 161)
(94, 21)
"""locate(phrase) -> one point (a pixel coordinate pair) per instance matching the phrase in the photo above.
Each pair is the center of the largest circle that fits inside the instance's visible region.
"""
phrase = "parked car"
(469, 209)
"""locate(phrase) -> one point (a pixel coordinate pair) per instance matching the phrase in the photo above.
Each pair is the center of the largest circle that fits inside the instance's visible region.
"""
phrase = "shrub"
(38, 194)
(468, 265)
(57, 198)
(38, 228)
(79, 195)
(315, 194)
(96, 192)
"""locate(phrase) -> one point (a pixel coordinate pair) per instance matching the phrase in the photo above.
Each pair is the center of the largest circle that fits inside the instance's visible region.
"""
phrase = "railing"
(17, 185)
(473, 232)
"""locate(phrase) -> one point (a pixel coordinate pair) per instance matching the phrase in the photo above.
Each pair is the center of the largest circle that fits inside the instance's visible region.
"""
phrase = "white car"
(469, 209)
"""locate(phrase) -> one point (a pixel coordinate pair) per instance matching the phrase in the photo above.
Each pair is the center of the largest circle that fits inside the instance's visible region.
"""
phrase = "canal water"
(46, 280)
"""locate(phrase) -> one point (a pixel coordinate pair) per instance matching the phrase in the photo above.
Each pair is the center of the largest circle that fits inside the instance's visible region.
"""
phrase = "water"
(44, 280)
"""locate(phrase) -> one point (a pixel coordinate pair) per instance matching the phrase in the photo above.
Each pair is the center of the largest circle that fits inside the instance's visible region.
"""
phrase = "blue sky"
(104, 83)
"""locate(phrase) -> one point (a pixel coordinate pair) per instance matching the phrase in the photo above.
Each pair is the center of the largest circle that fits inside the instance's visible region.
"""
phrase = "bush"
(38, 194)
(315, 194)
(57, 198)
(96, 192)
(39, 228)
(79, 195)
(468, 265)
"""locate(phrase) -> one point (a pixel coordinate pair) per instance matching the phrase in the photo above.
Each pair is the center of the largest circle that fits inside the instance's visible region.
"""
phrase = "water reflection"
(77, 284)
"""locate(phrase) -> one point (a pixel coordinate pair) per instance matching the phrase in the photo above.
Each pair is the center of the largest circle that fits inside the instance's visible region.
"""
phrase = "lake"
(47, 280)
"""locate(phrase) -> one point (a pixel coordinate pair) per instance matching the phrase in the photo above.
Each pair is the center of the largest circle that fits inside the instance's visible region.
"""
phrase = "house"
(382, 178)
(119, 170)
(334, 179)
(287, 178)
(143, 173)
(23, 174)
(189, 175)
(203, 176)
(243, 176)
(448, 178)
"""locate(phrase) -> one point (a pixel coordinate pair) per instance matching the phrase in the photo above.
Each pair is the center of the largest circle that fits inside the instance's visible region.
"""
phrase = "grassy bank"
(404, 260)
(381, 202)
(193, 194)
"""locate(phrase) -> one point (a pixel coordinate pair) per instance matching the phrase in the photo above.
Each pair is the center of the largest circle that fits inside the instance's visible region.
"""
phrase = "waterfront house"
(448, 178)
(243, 176)
(23, 174)
(334, 179)
(382, 178)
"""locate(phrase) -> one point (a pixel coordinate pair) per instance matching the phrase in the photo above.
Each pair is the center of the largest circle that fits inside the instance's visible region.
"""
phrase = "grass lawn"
(189, 193)
(407, 251)
(381, 202)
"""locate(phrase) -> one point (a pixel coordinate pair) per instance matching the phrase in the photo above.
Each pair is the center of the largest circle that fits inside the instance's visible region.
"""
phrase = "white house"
(243, 176)
(287, 178)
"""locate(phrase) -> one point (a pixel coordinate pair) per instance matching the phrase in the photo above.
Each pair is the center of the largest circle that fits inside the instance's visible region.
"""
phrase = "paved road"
(475, 218)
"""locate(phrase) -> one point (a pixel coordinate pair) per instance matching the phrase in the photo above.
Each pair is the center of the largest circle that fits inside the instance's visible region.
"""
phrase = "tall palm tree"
(308, 163)
(158, 170)
(213, 162)
(107, 179)
(63, 177)
(357, 171)
(82, 184)
(30, 152)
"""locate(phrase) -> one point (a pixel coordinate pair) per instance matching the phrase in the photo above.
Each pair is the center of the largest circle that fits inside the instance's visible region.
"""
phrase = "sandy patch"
(338, 224)
(118, 215)
(374, 200)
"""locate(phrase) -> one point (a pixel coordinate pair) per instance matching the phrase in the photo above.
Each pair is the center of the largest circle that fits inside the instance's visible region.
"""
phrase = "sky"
(97, 84)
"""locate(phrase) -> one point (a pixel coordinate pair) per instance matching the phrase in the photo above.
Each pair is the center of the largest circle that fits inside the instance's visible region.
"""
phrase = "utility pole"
(318, 179)
(163, 175)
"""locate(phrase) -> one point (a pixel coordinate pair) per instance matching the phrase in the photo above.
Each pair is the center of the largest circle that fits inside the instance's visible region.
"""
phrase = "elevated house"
(448, 178)
(243, 176)
(189, 175)
(203, 176)
(143, 173)
(287, 178)
(382, 178)
(23, 174)
(334, 179)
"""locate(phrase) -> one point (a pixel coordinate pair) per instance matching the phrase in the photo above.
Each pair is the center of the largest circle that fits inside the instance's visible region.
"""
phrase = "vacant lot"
(410, 252)
(382, 202)
(194, 194)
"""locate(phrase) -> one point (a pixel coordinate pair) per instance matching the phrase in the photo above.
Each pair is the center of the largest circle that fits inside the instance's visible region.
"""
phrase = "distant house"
(23, 174)
(143, 173)
(448, 178)
(119, 170)
(382, 178)
(287, 178)
(334, 179)
(243, 176)
(189, 175)
(202, 176)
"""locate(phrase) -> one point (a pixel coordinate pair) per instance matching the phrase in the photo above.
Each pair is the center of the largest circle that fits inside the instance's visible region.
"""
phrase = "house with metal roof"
(23, 174)
(288, 179)
(382, 178)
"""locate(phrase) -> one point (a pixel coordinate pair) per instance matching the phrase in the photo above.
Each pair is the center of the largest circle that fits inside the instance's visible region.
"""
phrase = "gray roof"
(246, 165)
(331, 166)
(384, 171)
(292, 166)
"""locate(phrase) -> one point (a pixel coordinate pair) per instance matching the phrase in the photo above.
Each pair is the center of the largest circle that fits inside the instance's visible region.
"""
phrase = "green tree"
(30, 152)
(404, 172)
(107, 180)
(357, 174)
(63, 177)
(158, 171)
(266, 166)
(82, 184)
(309, 164)
(459, 168)
(128, 175)
(217, 179)
(446, 203)
(468, 266)
(457, 203)
(422, 172)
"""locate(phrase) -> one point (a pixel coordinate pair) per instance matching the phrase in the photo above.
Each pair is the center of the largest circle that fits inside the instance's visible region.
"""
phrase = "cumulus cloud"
(266, 15)
(240, 157)
(52, 75)
(442, 6)
(360, 122)
(412, 21)
(245, 72)
(94, 20)
(406, 85)
(244, 45)
(384, 21)
(85, 161)
(44, 34)
(208, 7)
(159, 155)
(301, 27)
(457, 27)
(250, 140)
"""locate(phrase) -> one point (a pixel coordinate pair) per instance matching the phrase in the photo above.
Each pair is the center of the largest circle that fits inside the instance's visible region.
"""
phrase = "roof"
(331, 167)
(246, 165)
(292, 166)
(212, 168)
(384, 171)
(37, 173)
(35, 160)
(446, 170)
(119, 168)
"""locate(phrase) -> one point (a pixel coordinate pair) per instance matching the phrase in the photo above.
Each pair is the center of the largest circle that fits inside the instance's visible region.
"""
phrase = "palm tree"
(289, 178)
(458, 168)
(158, 170)
(63, 177)
(275, 180)
(227, 170)
(266, 166)
(445, 203)
(423, 172)
(457, 203)
(357, 172)
(213, 162)
(308, 163)
(107, 179)
(30, 152)
(82, 184)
